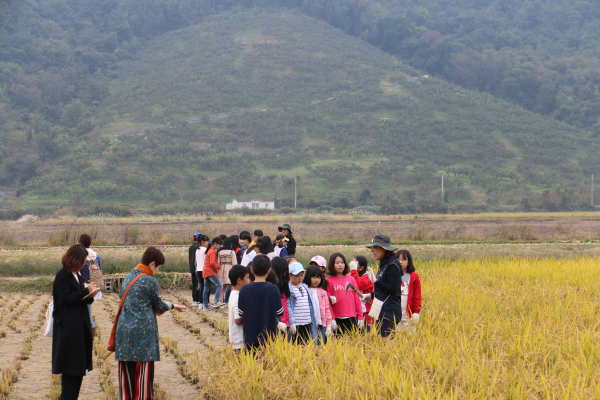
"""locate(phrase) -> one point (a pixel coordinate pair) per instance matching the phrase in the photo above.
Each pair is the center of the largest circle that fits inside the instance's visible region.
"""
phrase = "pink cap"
(319, 260)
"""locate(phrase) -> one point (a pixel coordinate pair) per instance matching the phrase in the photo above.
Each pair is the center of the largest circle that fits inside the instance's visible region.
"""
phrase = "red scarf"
(145, 269)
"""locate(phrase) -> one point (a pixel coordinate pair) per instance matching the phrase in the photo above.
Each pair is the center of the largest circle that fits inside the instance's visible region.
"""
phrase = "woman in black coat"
(72, 330)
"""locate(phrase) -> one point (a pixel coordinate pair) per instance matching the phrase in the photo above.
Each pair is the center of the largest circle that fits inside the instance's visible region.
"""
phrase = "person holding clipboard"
(72, 339)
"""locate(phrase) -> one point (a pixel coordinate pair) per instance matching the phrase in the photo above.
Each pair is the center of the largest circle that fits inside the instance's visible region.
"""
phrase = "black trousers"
(302, 335)
(387, 327)
(196, 294)
(346, 325)
(253, 348)
(198, 283)
(71, 384)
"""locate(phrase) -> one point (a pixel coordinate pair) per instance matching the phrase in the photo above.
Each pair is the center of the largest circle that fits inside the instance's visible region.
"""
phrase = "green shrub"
(112, 209)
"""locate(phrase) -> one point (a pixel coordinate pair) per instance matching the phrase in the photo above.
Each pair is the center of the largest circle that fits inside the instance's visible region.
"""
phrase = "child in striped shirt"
(303, 326)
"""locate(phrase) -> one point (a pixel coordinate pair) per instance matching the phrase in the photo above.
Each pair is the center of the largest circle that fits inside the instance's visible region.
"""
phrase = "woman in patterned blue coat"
(136, 341)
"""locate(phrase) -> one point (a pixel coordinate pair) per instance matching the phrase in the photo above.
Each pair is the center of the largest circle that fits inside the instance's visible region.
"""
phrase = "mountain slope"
(542, 55)
(356, 125)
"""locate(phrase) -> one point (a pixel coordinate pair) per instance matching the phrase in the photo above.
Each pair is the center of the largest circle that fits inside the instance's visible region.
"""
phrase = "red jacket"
(364, 283)
(210, 264)
(366, 286)
(413, 305)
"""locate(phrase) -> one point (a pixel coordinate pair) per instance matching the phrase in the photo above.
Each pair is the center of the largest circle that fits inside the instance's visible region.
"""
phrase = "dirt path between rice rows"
(34, 378)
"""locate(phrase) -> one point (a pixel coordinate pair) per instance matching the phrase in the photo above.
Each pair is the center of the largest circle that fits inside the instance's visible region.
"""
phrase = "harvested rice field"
(25, 354)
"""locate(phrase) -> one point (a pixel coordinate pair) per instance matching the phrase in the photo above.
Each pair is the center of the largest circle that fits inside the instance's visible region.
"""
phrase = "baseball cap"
(320, 260)
(296, 268)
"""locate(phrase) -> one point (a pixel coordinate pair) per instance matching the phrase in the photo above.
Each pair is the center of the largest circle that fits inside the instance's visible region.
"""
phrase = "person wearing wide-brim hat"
(387, 285)
(286, 229)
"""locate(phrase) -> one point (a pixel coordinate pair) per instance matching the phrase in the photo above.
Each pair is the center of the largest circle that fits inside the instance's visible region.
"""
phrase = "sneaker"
(210, 307)
(220, 305)
(196, 303)
(201, 306)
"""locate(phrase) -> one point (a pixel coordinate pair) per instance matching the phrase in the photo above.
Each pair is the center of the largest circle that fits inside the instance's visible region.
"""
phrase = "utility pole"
(295, 191)
(592, 189)
(442, 187)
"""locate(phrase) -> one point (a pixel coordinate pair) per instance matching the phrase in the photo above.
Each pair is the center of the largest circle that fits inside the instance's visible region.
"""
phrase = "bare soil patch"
(34, 378)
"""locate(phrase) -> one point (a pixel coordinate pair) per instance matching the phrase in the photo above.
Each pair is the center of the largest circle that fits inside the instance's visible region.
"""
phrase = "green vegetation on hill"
(543, 55)
(345, 117)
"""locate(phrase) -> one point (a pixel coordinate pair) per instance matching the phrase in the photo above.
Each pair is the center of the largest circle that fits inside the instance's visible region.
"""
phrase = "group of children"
(211, 260)
(277, 295)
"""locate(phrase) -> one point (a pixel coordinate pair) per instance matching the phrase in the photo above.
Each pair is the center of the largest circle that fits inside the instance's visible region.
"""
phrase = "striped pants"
(135, 380)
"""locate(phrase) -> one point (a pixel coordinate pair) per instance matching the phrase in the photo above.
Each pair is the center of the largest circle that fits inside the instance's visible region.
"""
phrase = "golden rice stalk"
(159, 393)
(491, 328)
(55, 388)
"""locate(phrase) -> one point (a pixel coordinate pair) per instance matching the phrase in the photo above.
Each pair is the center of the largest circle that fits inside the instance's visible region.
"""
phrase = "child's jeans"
(206, 295)
(227, 294)
(322, 339)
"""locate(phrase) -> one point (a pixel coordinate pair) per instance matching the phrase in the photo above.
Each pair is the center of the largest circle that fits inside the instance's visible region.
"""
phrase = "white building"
(250, 203)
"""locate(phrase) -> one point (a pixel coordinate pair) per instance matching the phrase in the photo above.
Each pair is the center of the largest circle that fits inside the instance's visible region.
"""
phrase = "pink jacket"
(325, 308)
(345, 306)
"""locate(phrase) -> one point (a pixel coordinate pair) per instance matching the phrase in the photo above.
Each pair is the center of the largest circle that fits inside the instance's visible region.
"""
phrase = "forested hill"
(358, 127)
(541, 54)
(348, 119)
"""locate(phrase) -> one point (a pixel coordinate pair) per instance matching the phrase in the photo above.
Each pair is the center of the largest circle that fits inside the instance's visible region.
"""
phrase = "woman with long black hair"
(72, 339)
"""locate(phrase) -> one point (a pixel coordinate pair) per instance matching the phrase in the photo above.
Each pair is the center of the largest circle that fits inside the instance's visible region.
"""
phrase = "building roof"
(249, 199)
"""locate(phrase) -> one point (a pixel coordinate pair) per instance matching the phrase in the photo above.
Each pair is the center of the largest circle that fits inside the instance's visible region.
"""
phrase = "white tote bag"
(50, 320)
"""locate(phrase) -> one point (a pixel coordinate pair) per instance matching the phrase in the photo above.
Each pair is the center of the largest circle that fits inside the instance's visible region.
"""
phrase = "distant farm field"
(31, 268)
(308, 229)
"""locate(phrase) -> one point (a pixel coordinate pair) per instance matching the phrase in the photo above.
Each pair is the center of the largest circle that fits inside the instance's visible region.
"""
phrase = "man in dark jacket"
(192, 259)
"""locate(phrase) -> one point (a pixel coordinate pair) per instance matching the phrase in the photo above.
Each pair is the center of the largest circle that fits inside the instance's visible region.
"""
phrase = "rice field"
(512, 328)
(498, 322)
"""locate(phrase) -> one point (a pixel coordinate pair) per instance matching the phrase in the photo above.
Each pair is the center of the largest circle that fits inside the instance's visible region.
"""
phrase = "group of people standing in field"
(278, 295)
(211, 260)
(268, 293)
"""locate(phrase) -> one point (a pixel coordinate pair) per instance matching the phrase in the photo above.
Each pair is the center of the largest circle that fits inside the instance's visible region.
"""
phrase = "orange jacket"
(210, 264)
